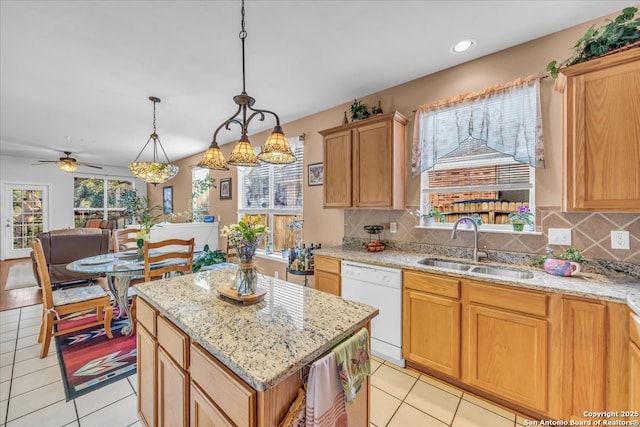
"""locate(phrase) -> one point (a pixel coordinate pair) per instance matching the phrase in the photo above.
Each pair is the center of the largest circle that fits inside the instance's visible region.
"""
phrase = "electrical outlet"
(560, 236)
(393, 227)
(619, 239)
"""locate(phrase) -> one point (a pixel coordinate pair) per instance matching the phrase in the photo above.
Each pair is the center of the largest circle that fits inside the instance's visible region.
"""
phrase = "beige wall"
(328, 225)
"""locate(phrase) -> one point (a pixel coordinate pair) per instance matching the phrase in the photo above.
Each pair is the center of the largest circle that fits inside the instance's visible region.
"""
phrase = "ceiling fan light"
(153, 172)
(67, 166)
(243, 154)
(277, 149)
(213, 158)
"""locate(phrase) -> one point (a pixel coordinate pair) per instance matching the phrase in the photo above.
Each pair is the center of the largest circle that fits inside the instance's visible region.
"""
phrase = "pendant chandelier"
(276, 150)
(153, 172)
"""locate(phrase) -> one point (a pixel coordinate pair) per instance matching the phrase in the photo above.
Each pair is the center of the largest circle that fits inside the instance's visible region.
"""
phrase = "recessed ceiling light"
(462, 46)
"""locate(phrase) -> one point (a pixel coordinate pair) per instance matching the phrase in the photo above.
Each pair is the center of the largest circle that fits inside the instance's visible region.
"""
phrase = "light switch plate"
(393, 227)
(560, 236)
(619, 239)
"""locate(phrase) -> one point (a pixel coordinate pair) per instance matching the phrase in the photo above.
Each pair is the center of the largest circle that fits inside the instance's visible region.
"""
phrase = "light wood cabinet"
(583, 357)
(327, 274)
(146, 347)
(173, 392)
(431, 322)
(601, 119)
(505, 347)
(163, 380)
(634, 362)
(364, 163)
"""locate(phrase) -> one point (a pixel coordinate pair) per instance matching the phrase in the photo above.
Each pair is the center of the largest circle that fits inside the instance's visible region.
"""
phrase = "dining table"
(119, 268)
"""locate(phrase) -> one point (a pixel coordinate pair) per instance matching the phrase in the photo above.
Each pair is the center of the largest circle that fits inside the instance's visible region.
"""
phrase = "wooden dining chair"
(231, 251)
(68, 303)
(181, 250)
(123, 239)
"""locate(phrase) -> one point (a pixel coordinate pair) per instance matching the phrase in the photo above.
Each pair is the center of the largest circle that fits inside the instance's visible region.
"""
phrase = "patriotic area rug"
(89, 360)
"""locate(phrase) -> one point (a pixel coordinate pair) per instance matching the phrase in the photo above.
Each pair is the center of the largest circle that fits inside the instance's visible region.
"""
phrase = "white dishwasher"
(379, 287)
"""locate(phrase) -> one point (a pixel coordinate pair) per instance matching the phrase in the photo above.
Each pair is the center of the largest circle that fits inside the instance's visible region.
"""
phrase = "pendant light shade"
(275, 150)
(213, 158)
(153, 172)
(243, 154)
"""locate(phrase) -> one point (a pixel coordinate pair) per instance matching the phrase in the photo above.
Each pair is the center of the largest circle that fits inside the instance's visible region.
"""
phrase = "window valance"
(507, 117)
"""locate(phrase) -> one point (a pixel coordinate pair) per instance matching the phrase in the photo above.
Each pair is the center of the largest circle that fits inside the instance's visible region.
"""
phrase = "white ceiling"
(76, 75)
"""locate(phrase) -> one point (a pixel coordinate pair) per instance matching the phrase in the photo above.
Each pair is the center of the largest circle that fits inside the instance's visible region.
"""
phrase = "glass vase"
(246, 279)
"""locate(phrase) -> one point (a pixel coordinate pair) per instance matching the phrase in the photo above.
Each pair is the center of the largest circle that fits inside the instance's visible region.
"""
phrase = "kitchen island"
(204, 359)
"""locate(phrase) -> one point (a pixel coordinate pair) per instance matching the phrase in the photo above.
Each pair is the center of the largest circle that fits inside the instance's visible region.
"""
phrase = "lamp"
(275, 150)
(67, 166)
(153, 172)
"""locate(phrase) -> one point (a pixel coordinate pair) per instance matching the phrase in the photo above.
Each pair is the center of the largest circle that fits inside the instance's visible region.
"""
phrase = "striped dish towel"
(325, 398)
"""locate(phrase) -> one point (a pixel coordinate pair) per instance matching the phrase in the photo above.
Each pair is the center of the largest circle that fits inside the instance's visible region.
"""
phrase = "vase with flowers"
(245, 236)
(520, 218)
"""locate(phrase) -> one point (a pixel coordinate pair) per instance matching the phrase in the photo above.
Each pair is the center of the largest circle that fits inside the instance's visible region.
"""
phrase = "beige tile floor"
(32, 394)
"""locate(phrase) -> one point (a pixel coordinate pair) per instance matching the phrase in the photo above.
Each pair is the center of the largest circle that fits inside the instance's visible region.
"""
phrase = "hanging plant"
(623, 31)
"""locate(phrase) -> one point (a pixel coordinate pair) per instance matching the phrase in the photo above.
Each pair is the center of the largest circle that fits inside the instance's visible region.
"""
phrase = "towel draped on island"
(354, 363)
(325, 397)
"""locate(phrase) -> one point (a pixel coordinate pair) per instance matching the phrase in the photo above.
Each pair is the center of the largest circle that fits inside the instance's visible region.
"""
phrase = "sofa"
(64, 246)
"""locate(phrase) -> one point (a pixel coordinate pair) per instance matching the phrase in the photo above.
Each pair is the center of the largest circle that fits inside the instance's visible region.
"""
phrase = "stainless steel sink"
(506, 272)
(440, 263)
(511, 273)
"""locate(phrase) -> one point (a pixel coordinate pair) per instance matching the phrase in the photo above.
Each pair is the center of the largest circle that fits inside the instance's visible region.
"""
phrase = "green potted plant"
(520, 218)
(359, 111)
(432, 216)
(622, 32)
(208, 257)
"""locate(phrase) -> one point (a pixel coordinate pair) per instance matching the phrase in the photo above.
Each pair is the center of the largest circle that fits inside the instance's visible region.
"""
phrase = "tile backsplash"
(590, 233)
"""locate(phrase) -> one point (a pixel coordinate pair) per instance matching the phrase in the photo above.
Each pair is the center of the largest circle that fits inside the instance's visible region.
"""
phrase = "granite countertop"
(262, 343)
(614, 287)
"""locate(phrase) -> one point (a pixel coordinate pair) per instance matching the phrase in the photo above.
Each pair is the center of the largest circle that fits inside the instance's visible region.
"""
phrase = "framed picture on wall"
(225, 188)
(316, 174)
(167, 200)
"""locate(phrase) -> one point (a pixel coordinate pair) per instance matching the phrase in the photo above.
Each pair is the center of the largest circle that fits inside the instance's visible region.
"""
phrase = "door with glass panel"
(26, 212)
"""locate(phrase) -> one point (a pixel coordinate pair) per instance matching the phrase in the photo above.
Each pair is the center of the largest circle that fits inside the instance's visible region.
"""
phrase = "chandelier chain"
(154, 119)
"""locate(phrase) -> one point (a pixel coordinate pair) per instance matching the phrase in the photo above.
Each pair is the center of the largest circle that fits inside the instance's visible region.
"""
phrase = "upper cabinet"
(601, 119)
(364, 163)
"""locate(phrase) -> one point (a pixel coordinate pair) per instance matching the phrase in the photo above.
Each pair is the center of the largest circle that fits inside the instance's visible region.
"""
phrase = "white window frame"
(270, 211)
(444, 165)
(105, 208)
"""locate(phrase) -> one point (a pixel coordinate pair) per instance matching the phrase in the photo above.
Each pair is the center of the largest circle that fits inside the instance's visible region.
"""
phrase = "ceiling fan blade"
(41, 162)
(89, 166)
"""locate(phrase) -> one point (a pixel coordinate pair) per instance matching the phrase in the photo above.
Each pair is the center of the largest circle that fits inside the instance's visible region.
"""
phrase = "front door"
(26, 213)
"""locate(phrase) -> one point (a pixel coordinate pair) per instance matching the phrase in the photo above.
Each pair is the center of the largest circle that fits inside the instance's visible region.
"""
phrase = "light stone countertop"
(614, 287)
(262, 343)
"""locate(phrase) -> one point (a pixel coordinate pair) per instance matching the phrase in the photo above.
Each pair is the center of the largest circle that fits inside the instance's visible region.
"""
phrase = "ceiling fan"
(68, 163)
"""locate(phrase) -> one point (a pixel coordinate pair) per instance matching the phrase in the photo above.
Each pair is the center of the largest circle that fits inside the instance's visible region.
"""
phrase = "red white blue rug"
(89, 360)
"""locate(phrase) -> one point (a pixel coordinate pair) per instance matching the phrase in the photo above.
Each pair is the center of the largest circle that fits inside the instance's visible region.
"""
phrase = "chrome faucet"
(476, 254)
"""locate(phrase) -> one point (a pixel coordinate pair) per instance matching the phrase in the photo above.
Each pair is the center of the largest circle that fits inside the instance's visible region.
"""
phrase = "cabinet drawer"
(431, 283)
(224, 387)
(173, 341)
(330, 265)
(511, 299)
(634, 328)
(146, 315)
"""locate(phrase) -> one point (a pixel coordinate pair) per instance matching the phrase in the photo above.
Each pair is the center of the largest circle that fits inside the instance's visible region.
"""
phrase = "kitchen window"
(98, 198)
(477, 153)
(275, 192)
(477, 180)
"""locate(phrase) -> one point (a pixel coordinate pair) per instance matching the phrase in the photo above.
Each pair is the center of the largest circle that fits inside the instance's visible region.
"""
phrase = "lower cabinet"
(327, 274)
(506, 343)
(544, 354)
(173, 392)
(204, 413)
(431, 318)
(634, 362)
(583, 357)
(147, 364)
